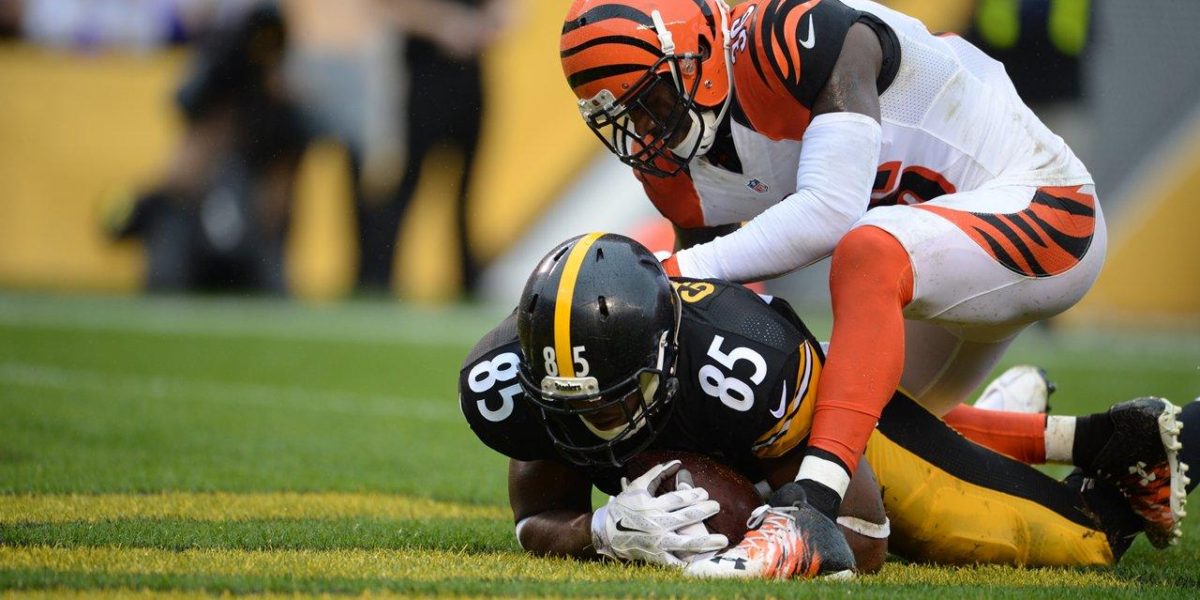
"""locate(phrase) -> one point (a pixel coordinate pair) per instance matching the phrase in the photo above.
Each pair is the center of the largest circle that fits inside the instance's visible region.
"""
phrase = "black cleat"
(1141, 460)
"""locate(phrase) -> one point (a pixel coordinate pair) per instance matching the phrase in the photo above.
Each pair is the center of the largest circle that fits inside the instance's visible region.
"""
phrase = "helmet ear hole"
(603, 306)
(705, 48)
(532, 304)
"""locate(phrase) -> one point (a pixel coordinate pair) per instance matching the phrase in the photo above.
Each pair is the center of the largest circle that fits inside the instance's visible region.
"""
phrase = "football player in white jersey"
(840, 127)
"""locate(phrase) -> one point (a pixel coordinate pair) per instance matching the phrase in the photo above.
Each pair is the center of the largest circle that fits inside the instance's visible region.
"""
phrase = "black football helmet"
(598, 324)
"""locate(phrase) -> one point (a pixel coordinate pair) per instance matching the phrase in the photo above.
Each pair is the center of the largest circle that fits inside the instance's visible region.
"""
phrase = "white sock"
(1060, 438)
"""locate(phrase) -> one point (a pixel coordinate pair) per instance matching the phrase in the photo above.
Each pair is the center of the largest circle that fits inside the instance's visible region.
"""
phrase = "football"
(731, 489)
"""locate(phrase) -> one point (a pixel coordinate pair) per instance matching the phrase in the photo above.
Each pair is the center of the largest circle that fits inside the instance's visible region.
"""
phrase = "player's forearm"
(557, 533)
(834, 179)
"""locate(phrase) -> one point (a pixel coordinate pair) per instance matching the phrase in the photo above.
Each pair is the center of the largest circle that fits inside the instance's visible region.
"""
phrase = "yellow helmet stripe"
(562, 305)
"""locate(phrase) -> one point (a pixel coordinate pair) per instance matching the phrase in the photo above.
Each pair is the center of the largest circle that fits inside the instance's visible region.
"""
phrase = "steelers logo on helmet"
(598, 323)
(653, 77)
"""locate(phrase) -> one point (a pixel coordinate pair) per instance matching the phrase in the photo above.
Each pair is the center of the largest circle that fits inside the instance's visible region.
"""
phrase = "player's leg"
(943, 367)
(979, 278)
(986, 263)
(955, 502)
(981, 275)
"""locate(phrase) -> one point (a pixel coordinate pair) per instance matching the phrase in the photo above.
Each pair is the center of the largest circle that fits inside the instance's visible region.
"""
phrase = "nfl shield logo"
(757, 186)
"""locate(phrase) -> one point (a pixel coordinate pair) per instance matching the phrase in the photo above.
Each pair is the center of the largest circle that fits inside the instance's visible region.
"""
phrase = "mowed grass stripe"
(415, 565)
(284, 397)
(634, 586)
(436, 565)
(166, 594)
(223, 506)
(471, 535)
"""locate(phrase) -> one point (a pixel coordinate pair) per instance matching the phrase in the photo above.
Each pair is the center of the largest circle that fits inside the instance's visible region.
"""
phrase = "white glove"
(637, 525)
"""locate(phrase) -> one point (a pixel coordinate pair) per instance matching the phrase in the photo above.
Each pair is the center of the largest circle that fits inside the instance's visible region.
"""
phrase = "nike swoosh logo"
(778, 413)
(812, 38)
(621, 527)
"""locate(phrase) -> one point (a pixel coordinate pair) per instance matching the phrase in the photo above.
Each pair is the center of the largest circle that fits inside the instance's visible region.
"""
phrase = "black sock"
(1092, 432)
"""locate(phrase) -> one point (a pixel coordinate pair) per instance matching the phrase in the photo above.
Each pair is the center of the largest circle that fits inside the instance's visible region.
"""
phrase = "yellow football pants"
(952, 501)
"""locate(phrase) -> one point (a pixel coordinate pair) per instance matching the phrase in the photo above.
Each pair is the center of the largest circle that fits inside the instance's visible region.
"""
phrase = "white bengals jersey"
(951, 118)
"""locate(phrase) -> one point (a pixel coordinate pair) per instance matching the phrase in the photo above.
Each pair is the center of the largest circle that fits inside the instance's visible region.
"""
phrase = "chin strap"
(665, 40)
(727, 50)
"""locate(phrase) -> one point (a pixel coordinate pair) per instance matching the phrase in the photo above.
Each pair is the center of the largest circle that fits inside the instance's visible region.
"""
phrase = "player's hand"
(638, 525)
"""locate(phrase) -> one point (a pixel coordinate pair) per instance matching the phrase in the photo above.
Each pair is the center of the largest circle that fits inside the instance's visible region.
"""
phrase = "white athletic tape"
(878, 531)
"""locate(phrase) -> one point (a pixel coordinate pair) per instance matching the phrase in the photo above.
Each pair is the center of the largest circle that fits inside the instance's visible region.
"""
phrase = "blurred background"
(428, 150)
(245, 246)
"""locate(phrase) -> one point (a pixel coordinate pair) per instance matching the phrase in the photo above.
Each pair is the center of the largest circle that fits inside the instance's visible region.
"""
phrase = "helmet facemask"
(615, 121)
(569, 405)
(662, 101)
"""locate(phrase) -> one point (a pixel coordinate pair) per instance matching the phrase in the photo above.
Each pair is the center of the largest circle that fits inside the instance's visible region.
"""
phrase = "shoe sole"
(1168, 431)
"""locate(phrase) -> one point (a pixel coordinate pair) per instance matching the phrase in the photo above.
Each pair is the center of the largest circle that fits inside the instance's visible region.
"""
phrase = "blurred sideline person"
(443, 107)
(954, 217)
(347, 69)
(219, 219)
(605, 357)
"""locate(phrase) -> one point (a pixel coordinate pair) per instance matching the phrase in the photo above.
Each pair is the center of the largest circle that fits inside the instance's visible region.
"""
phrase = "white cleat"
(1021, 389)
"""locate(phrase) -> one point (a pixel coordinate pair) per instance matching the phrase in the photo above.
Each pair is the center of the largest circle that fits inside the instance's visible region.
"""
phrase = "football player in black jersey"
(606, 357)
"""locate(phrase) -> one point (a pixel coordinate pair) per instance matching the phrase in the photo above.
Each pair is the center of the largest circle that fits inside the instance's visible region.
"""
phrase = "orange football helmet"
(653, 77)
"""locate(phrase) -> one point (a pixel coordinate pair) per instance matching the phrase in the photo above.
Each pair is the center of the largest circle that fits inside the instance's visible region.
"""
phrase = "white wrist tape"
(838, 160)
(878, 531)
(824, 472)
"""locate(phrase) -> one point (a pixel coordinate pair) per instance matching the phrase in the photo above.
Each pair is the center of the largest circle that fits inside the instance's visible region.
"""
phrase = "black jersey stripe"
(1019, 221)
(1075, 246)
(1064, 204)
(998, 251)
(1017, 241)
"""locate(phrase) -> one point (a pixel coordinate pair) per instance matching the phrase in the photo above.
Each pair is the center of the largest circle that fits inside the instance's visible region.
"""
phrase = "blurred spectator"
(1040, 43)
(10, 17)
(346, 67)
(104, 24)
(219, 218)
(444, 107)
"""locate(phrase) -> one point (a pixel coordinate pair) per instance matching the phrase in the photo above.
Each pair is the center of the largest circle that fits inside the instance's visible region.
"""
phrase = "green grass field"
(196, 447)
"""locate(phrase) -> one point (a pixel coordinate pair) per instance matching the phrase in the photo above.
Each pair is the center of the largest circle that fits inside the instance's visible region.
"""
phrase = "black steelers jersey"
(747, 371)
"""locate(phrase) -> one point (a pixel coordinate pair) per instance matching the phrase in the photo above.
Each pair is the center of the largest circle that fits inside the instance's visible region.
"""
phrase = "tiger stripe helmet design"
(598, 323)
(653, 77)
